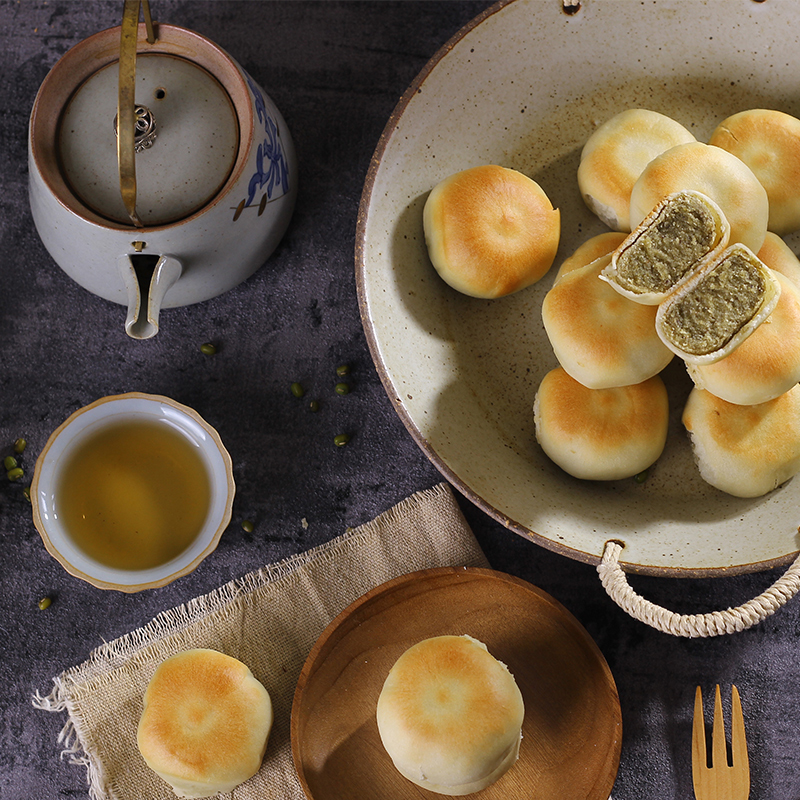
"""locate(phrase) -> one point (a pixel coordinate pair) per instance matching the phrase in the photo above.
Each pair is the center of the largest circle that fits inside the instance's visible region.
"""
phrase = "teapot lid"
(186, 149)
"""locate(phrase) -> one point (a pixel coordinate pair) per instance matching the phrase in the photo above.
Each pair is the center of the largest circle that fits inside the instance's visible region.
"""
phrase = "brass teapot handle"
(126, 105)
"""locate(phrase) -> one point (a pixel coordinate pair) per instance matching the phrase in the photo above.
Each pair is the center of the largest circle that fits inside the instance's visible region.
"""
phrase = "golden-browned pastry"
(714, 172)
(205, 723)
(450, 715)
(601, 245)
(766, 364)
(718, 307)
(615, 155)
(745, 451)
(490, 231)
(601, 434)
(768, 141)
(671, 240)
(779, 257)
(599, 337)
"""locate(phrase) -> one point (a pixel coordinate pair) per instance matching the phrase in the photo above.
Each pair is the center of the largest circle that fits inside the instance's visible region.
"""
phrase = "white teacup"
(131, 569)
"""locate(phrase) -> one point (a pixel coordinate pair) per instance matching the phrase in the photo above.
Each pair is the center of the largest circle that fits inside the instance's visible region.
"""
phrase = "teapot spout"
(147, 279)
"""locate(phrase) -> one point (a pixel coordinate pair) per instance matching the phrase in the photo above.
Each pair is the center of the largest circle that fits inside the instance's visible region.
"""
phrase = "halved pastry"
(718, 307)
(679, 232)
(718, 174)
(601, 338)
(745, 451)
(450, 715)
(490, 231)
(766, 364)
(601, 434)
(768, 141)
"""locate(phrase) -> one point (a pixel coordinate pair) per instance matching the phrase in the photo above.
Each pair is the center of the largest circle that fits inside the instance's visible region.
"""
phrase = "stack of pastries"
(693, 267)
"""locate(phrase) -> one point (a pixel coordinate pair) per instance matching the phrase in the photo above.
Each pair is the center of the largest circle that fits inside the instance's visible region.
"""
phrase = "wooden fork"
(720, 781)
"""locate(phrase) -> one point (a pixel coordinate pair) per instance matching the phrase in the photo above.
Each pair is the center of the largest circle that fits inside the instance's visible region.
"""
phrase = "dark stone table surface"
(336, 70)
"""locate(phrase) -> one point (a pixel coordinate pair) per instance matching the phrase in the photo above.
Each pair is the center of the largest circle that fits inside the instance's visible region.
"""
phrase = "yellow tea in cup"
(134, 494)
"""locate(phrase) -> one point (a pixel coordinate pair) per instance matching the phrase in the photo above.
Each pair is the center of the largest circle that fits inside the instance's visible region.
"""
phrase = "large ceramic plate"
(572, 731)
(524, 85)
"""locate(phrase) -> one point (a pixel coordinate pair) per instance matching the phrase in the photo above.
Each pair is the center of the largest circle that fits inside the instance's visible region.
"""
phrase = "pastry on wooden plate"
(601, 434)
(768, 141)
(490, 231)
(205, 723)
(745, 451)
(682, 230)
(450, 715)
(615, 155)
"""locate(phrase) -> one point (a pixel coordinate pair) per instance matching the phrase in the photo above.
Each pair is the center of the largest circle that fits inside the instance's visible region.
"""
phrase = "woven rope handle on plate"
(715, 623)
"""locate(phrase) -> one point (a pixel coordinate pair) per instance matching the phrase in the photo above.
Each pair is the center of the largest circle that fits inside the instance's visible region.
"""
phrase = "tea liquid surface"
(134, 494)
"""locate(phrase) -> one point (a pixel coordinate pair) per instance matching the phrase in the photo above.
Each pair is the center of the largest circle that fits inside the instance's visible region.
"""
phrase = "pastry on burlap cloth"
(270, 620)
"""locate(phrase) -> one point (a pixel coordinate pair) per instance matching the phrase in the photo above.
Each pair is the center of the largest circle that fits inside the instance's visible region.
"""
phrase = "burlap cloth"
(270, 620)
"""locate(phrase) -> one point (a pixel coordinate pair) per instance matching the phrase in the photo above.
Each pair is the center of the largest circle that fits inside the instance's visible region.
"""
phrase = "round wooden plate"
(572, 730)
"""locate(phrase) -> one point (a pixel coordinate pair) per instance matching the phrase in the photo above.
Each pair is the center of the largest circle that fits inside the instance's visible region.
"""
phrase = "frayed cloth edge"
(224, 599)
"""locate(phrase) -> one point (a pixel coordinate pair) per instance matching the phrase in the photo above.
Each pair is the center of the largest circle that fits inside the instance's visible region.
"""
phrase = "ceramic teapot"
(160, 173)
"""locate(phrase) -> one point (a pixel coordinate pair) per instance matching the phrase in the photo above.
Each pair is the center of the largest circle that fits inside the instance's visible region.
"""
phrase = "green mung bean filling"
(707, 317)
(681, 235)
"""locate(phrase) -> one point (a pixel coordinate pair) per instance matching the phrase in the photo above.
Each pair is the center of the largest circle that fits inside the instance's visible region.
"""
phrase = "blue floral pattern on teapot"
(272, 171)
